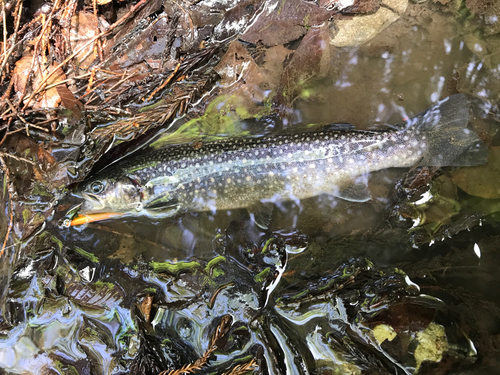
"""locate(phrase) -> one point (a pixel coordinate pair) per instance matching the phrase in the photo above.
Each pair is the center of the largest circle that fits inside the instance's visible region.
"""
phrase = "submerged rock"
(360, 29)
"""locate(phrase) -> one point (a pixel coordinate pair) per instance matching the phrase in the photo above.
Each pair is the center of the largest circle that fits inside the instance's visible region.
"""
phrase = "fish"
(244, 172)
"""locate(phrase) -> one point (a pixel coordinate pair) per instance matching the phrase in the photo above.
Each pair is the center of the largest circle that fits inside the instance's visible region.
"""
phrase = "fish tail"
(449, 142)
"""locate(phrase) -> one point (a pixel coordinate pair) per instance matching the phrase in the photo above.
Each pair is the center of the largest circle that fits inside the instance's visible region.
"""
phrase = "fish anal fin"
(353, 192)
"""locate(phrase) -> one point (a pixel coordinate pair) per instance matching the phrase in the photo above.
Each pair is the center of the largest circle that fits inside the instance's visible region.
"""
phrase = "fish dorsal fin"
(341, 127)
(353, 192)
(262, 213)
(347, 127)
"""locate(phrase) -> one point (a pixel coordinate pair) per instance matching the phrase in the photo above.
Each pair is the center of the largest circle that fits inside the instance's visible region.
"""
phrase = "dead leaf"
(310, 61)
(362, 7)
(48, 98)
(237, 62)
(284, 21)
(69, 101)
(83, 29)
(481, 181)
(146, 306)
(243, 78)
(274, 62)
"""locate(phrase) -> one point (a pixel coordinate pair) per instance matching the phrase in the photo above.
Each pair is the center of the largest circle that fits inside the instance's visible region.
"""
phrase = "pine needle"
(243, 369)
(192, 367)
(222, 329)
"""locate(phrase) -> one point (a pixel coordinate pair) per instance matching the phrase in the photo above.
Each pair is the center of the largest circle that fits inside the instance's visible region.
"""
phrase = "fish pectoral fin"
(354, 192)
(262, 213)
(163, 203)
(162, 211)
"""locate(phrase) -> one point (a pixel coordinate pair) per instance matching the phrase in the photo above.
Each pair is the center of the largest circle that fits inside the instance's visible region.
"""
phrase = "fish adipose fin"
(450, 143)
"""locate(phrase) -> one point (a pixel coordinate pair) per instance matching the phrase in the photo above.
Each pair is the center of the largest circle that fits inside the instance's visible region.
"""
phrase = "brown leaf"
(284, 21)
(362, 7)
(83, 29)
(48, 98)
(69, 101)
(481, 181)
(146, 306)
(274, 63)
(243, 79)
(21, 73)
(236, 63)
(310, 60)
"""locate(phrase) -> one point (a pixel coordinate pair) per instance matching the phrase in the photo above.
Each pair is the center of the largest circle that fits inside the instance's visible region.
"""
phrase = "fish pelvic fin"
(450, 143)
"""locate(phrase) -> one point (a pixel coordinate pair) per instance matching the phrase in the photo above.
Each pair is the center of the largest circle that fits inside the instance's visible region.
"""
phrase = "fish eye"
(96, 187)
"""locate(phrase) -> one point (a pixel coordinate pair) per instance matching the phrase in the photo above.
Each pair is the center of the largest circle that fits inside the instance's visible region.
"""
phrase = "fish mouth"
(91, 203)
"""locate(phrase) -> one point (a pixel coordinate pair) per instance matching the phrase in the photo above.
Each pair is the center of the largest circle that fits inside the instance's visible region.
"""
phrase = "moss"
(222, 117)
(432, 344)
(213, 268)
(57, 241)
(26, 215)
(384, 332)
(266, 245)
(87, 255)
(40, 190)
(65, 369)
(262, 276)
(174, 268)
(103, 285)
(38, 219)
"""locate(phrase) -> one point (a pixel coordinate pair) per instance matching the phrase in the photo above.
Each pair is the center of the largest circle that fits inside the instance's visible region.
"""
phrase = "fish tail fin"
(450, 143)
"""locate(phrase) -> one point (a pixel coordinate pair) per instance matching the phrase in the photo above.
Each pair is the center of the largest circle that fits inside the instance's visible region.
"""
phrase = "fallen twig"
(174, 72)
(18, 158)
(11, 205)
(4, 21)
(28, 124)
(6, 131)
(46, 24)
(18, 10)
(43, 84)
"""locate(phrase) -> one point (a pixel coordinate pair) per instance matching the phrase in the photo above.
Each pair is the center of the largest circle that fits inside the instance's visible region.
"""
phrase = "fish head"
(107, 194)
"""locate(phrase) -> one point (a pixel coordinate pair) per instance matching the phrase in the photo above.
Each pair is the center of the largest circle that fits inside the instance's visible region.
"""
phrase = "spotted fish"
(240, 172)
